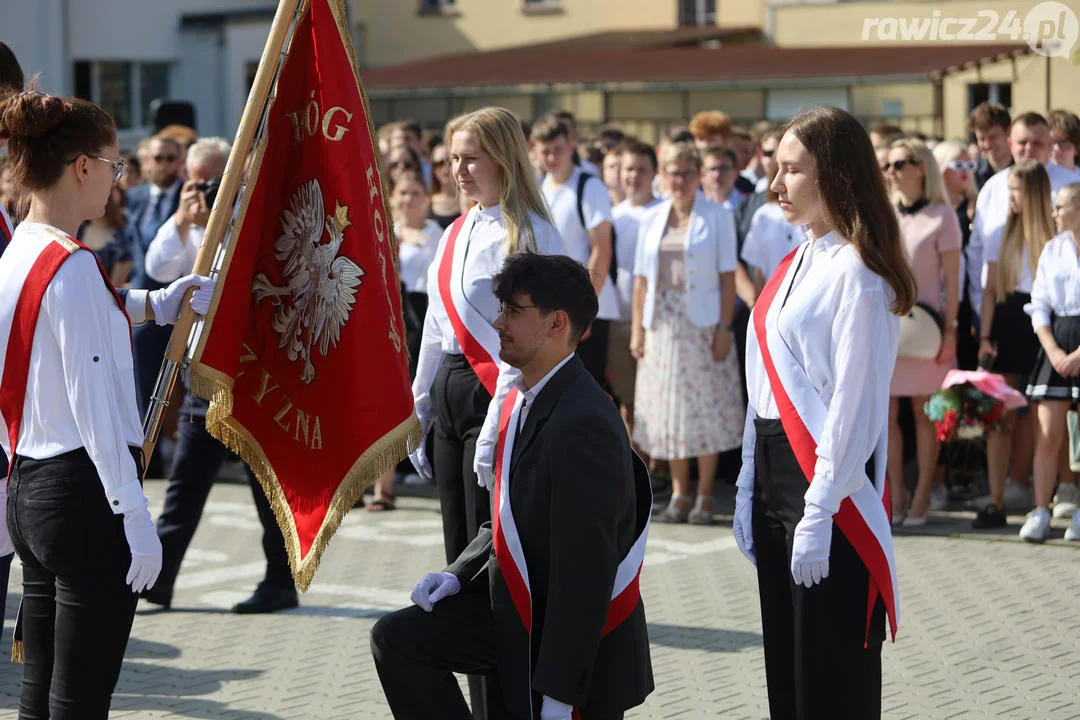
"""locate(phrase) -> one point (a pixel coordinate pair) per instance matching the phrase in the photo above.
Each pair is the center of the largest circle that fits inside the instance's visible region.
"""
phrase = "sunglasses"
(119, 166)
(767, 153)
(166, 158)
(961, 165)
(439, 163)
(403, 164)
(897, 165)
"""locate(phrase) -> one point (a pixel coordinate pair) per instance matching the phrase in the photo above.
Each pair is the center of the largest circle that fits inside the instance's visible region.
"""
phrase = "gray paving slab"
(988, 629)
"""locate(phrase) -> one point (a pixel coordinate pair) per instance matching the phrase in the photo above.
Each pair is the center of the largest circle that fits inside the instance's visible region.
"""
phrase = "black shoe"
(268, 600)
(989, 518)
(158, 595)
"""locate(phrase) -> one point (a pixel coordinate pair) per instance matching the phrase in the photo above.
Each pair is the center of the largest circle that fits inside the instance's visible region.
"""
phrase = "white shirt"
(1056, 290)
(770, 239)
(82, 382)
(531, 393)
(168, 257)
(414, 260)
(626, 219)
(734, 200)
(562, 201)
(483, 260)
(991, 212)
(837, 324)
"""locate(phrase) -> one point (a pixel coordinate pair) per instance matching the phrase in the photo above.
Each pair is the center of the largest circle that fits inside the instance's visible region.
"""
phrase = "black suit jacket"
(138, 204)
(579, 496)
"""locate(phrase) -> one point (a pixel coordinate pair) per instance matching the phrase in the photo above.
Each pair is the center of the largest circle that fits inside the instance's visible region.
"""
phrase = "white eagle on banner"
(314, 304)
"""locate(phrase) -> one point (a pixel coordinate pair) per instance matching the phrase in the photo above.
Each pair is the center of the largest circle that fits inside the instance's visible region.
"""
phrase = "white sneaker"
(1018, 498)
(1037, 526)
(1073, 531)
(939, 497)
(1066, 500)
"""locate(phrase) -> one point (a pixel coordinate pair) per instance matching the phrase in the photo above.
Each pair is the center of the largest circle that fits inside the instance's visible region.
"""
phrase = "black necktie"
(521, 415)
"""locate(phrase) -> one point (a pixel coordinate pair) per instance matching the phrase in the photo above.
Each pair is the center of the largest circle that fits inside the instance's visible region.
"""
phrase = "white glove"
(420, 462)
(432, 588)
(484, 467)
(743, 526)
(810, 546)
(166, 302)
(145, 548)
(552, 709)
(202, 297)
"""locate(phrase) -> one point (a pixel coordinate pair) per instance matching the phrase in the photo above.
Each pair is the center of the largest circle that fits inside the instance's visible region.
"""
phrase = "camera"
(209, 189)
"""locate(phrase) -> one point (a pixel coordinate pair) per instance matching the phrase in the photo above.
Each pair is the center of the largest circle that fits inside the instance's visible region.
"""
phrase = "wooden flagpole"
(223, 213)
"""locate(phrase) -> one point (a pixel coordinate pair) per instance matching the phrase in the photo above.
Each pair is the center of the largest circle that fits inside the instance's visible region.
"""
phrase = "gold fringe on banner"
(16, 651)
(383, 455)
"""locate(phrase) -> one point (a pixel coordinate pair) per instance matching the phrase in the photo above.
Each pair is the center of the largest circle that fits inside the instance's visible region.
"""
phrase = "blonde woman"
(458, 365)
(1055, 383)
(1006, 332)
(688, 398)
(931, 239)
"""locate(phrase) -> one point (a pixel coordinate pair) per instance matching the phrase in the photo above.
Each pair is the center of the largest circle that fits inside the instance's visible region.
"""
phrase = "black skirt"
(1013, 336)
(1045, 383)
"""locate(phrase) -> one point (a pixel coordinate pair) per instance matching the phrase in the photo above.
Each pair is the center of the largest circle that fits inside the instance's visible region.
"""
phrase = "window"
(435, 7)
(697, 12)
(124, 89)
(993, 92)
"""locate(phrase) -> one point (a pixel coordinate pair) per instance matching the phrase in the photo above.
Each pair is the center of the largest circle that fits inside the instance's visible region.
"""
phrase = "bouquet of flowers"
(970, 403)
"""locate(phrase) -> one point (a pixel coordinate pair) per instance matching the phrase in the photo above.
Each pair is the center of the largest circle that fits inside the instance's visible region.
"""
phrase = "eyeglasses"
(119, 166)
(513, 309)
(720, 169)
(767, 153)
(681, 174)
(897, 165)
(166, 158)
(959, 165)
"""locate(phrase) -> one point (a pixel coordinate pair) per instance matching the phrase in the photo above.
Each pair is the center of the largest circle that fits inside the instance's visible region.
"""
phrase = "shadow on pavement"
(686, 637)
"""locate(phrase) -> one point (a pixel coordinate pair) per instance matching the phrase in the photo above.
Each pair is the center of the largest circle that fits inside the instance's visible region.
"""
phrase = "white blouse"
(837, 323)
(1056, 290)
(414, 260)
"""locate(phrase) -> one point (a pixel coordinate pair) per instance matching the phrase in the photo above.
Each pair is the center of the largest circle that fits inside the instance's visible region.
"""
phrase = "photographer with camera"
(199, 456)
(173, 250)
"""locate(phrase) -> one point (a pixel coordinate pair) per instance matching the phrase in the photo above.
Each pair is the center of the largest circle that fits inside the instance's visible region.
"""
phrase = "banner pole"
(274, 55)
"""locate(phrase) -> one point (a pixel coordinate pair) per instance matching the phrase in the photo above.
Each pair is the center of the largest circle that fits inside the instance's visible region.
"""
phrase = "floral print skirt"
(685, 404)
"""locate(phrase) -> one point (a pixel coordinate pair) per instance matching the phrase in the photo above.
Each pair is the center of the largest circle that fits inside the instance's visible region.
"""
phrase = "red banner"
(303, 352)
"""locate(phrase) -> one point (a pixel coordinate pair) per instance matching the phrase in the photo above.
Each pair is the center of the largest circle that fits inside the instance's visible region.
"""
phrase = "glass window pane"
(154, 84)
(114, 88)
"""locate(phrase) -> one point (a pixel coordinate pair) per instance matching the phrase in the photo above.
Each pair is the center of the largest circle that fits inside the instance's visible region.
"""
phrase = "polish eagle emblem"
(315, 302)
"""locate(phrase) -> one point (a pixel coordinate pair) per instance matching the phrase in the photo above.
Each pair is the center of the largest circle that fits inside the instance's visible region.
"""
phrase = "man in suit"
(545, 598)
(149, 206)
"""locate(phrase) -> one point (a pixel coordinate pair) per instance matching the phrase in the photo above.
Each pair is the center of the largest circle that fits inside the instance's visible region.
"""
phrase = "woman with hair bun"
(819, 359)
(77, 514)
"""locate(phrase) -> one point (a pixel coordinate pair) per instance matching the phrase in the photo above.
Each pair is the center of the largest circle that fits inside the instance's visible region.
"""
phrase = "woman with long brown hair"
(820, 356)
(1007, 337)
(76, 512)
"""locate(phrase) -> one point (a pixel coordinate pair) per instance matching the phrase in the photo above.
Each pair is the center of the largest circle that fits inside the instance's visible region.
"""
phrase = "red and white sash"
(479, 341)
(864, 515)
(508, 550)
(6, 228)
(36, 256)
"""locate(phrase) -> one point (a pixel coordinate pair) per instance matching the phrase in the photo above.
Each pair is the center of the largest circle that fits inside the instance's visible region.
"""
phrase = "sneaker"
(939, 497)
(1037, 526)
(1018, 498)
(1066, 500)
(990, 517)
(1073, 532)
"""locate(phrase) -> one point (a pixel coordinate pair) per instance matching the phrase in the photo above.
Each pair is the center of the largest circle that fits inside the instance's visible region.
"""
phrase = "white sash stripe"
(506, 514)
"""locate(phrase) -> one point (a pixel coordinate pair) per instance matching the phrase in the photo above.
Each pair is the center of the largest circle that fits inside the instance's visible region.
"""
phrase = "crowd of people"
(681, 237)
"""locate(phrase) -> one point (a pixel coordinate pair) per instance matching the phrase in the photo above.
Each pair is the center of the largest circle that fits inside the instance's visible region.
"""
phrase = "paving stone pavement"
(989, 625)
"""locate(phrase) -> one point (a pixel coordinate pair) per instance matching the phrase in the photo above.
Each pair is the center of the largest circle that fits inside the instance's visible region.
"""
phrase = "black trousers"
(593, 351)
(77, 608)
(196, 463)
(416, 654)
(818, 661)
(461, 403)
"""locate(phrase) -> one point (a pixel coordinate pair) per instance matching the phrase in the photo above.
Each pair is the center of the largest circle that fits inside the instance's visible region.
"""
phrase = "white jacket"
(710, 251)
